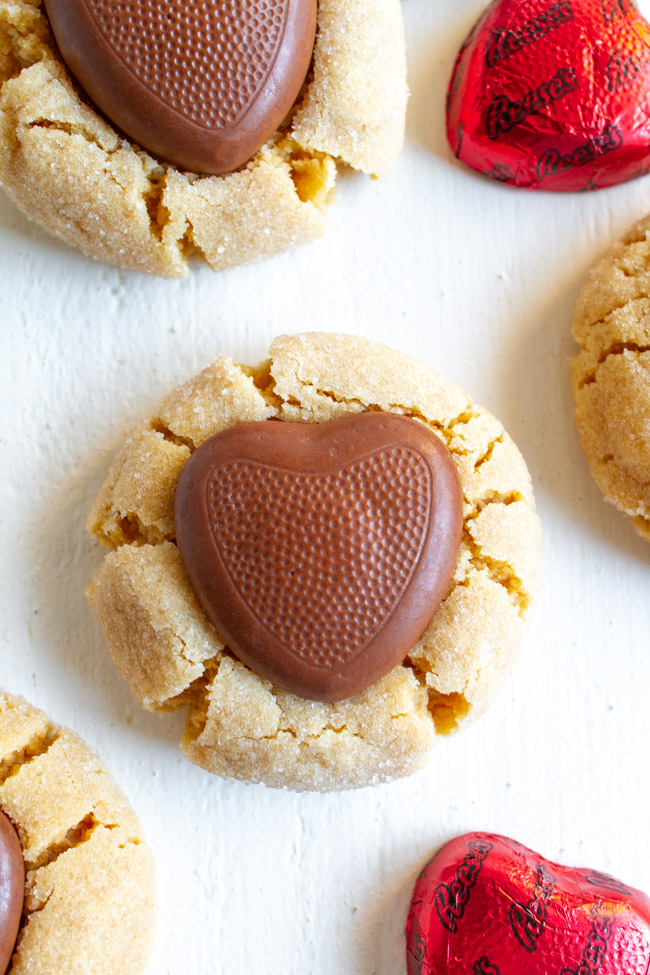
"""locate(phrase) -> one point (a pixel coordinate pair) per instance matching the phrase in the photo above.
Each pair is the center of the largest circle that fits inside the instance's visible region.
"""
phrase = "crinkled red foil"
(554, 94)
(486, 905)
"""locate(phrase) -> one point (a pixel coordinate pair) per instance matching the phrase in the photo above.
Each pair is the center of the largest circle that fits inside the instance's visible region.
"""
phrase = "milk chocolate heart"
(486, 905)
(12, 889)
(201, 83)
(554, 95)
(321, 551)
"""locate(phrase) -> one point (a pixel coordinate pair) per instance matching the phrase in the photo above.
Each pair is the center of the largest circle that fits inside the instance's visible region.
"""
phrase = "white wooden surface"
(479, 281)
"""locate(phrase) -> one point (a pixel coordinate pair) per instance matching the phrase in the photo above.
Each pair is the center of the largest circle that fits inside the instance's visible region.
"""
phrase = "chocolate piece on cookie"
(202, 85)
(240, 723)
(89, 885)
(321, 551)
(611, 375)
(69, 170)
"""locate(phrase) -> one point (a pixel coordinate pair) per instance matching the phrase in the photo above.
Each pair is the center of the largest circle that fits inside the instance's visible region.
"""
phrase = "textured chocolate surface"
(321, 551)
(201, 83)
(12, 889)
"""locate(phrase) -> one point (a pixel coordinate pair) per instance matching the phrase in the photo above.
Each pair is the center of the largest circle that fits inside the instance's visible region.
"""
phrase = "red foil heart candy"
(486, 905)
(554, 95)
(201, 83)
(321, 551)
(12, 890)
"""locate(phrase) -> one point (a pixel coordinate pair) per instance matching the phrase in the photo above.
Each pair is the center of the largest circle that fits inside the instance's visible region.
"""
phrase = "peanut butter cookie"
(89, 895)
(72, 173)
(611, 375)
(239, 723)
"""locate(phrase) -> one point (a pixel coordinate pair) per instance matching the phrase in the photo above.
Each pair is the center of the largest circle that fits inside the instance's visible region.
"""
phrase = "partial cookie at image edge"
(90, 874)
(611, 374)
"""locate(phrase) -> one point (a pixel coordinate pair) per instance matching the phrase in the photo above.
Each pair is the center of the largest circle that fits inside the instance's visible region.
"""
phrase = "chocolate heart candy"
(201, 83)
(12, 889)
(554, 95)
(486, 905)
(321, 551)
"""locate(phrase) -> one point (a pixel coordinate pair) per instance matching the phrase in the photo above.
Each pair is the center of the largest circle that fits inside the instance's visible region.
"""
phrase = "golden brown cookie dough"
(240, 725)
(70, 172)
(89, 898)
(611, 375)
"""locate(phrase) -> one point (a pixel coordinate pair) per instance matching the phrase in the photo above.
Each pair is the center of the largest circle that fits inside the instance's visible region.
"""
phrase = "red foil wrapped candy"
(554, 95)
(486, 905)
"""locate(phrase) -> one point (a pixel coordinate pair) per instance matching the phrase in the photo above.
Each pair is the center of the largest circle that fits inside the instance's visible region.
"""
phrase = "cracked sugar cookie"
(89, 886)
(249, 726)
(71, 171)
(611, 375)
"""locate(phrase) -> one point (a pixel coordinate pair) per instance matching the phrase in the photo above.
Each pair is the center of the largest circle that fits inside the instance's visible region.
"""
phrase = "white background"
(477, 279)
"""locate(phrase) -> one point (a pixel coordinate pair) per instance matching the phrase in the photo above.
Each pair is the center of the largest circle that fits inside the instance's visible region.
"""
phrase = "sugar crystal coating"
(239, 723)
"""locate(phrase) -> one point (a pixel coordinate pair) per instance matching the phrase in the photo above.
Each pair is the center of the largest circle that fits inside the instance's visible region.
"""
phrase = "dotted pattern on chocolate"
(207, 59)
(239, 724)
(69, 171)
(354, 521)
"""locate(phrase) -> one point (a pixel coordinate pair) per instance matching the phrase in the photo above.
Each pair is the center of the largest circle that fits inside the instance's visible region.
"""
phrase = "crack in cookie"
(72, 173)
(239, 724)
(88, 870)
(611, 375)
